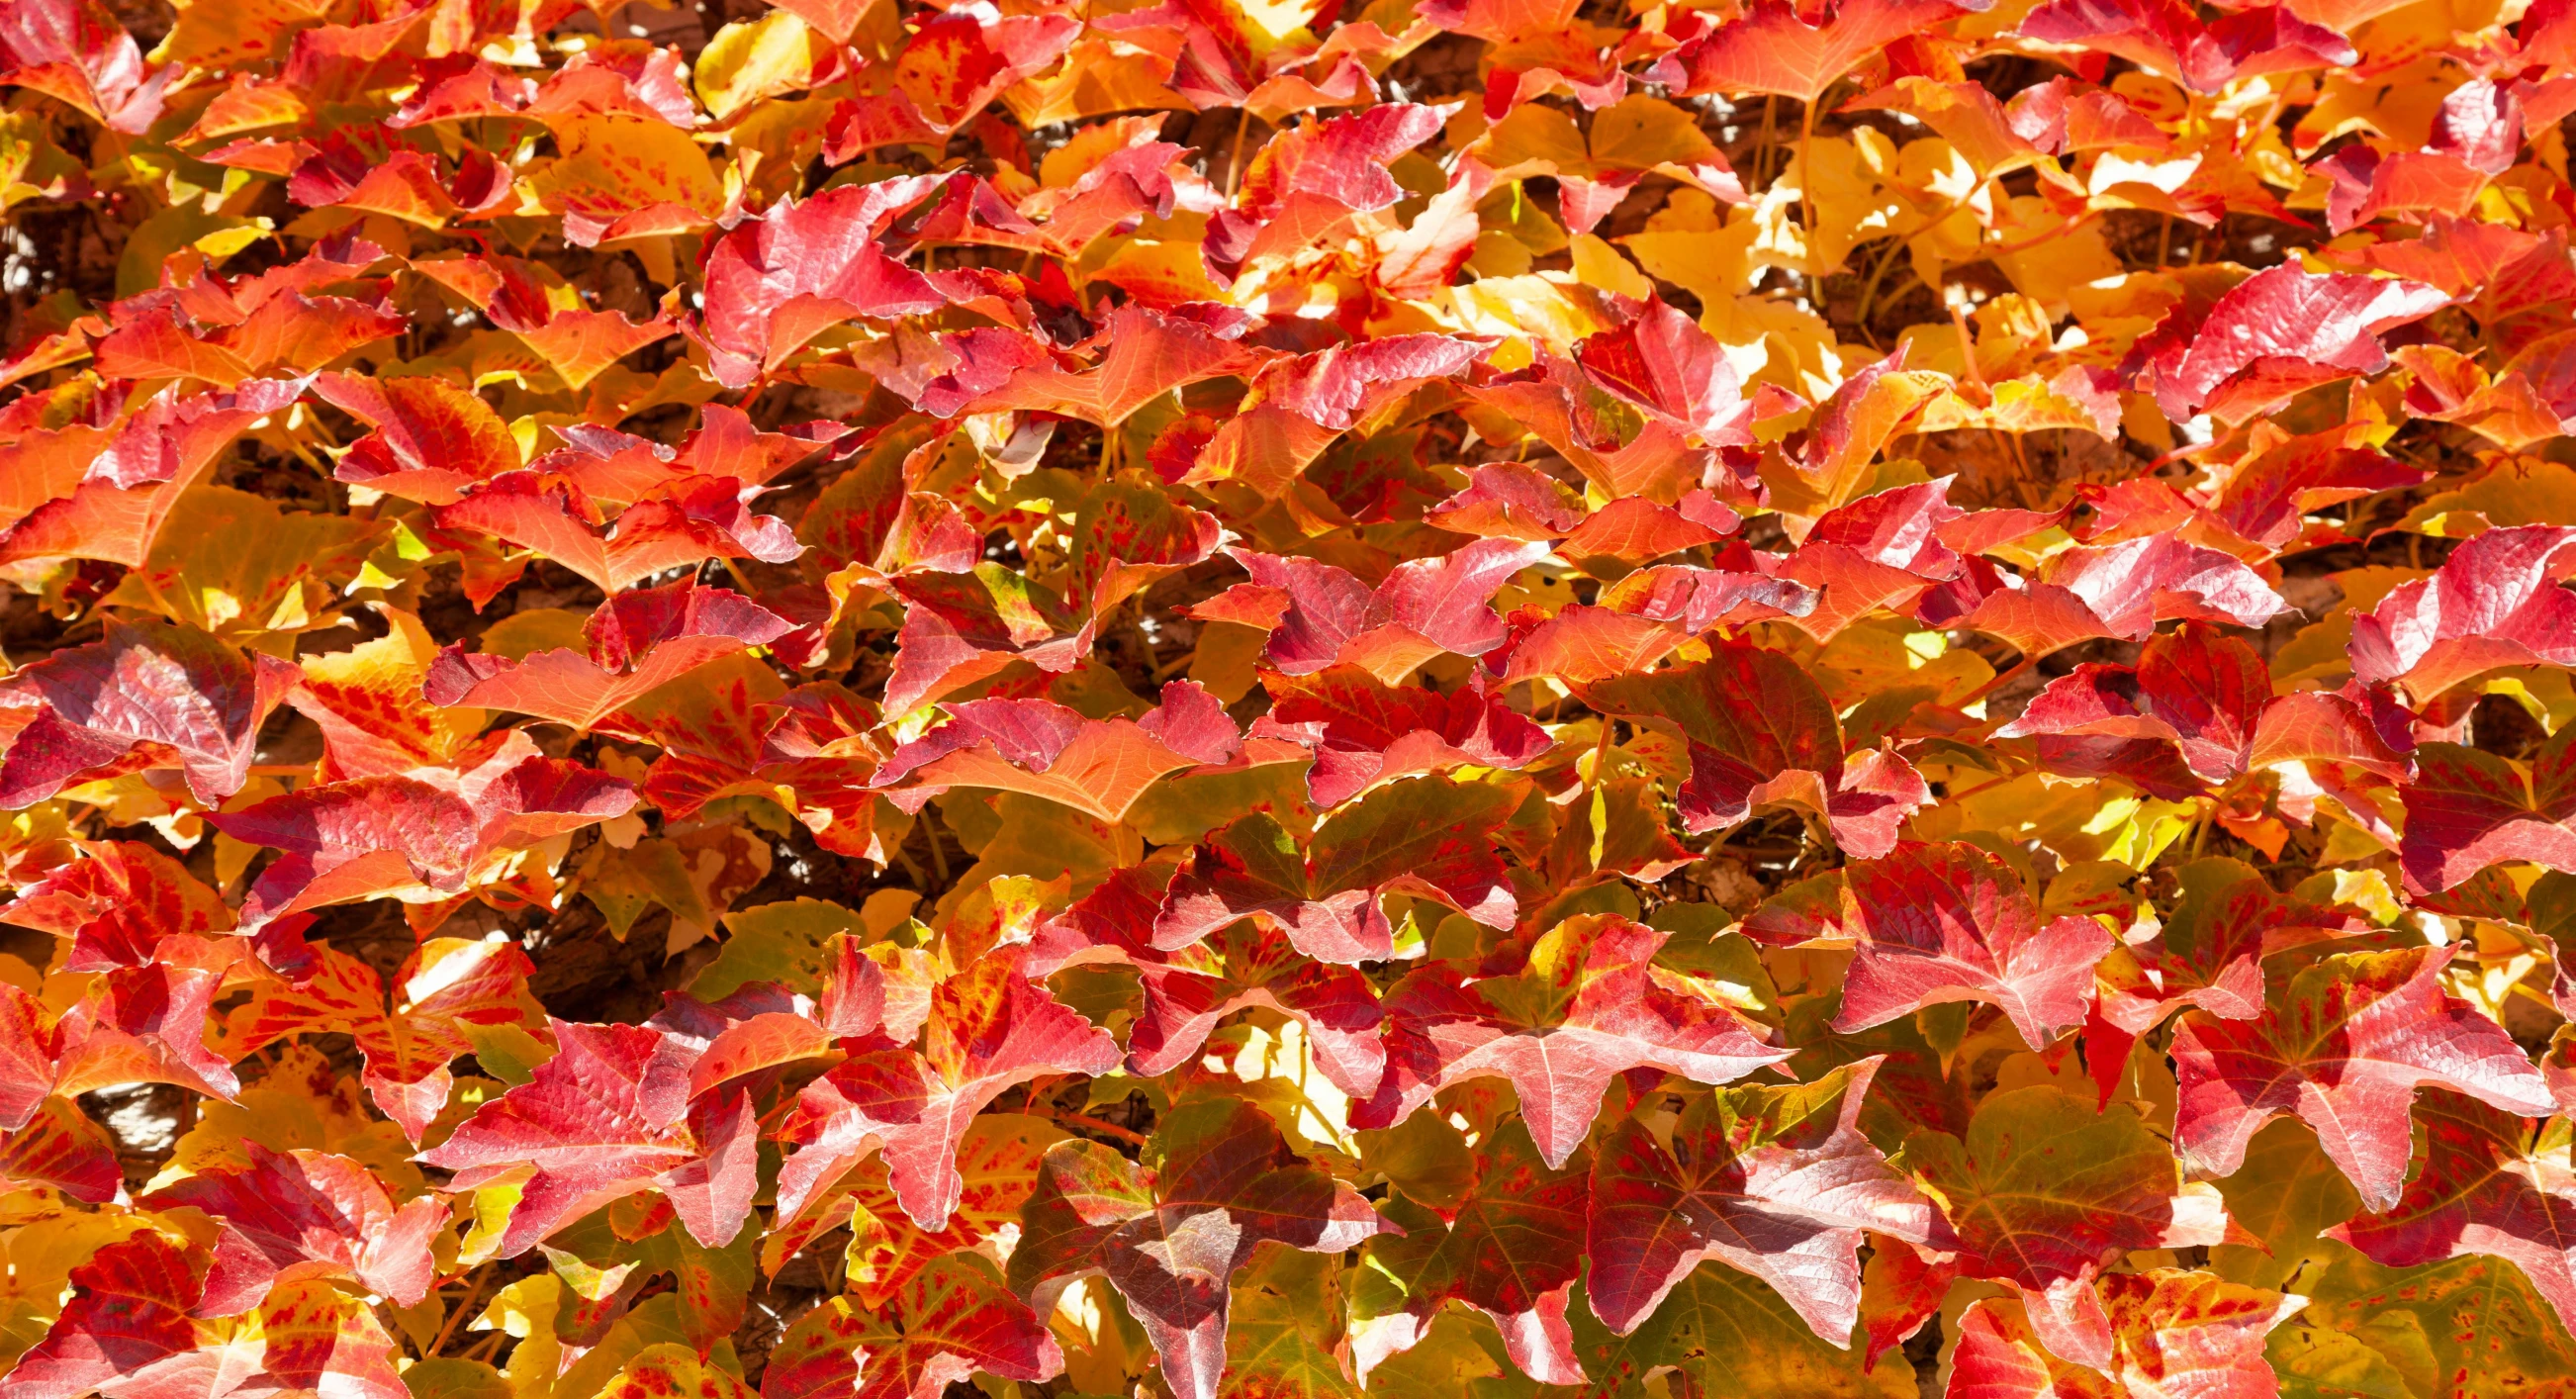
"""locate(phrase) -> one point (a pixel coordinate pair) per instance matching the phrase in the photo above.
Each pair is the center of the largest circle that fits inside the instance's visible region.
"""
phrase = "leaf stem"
(464, 1304)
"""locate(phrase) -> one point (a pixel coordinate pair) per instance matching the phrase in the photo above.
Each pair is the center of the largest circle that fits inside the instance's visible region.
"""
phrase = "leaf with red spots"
(57, 1145)
(951, 1320)
(433, 440)
(116, 906)
(2045, 1193)
(2174, 1333)
(408, 1036)
(1588, 1006)
(1170, 1233)
(2485, 1182)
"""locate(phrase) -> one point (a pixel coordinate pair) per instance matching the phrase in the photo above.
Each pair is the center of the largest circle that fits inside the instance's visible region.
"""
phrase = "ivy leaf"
(951, 1320)
(430, 828)
(989, 1029)
(2045, 1193)
(1512, 1249)
(1761, 732)
(288, 1216)
(2279, 331)
(1189, 990)
(56, 1144)
(2344, 1044)
(1366, 734)
(116, 906)
(1429, 836)
(146, 696)
(1775, 49)
(1775, 1182)
(1423, 608)
(2495, 602)
(1169, 1235)
(583, 1132)
(2467, 809)
(634, 644)
(446, 987)
(2174, 1332)
(1587, 1006)
(2485, 1182)
(1949, 922)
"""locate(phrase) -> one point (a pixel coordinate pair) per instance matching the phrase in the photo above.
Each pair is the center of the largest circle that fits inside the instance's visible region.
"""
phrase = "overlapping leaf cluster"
(1244, 700)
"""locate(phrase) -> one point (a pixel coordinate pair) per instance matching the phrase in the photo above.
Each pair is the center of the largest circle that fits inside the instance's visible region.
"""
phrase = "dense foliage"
(1015, 697)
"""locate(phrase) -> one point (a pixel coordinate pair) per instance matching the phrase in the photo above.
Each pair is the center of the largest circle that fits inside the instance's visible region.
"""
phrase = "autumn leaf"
(2344, 1044)
(1587, 1006)
(1171, 1234)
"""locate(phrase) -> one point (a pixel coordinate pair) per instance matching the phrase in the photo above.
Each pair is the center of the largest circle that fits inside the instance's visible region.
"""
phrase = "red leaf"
(693, 520)
(2119, 590)
(1427, 836)
(776, 281)
(433, 440)
(636, 643)
(1219, 1182)
(1312, 177)
(433, 828)
(2170, 38)
(1365, 734)
(2481, 1185)
(989, 1029)
(2497, 601)
(116, 906)
(306, 1214)
(586, 1124)
(1760, 732)
(2467, 810)
(2175, 1333)
(1513, 1250)
(146, 696)
(1423, 608)
(2279, 331)
(948, 1322)
(1588, 1006)
(1775, 1182)
(1774, 49)
(1046, 750)
(1949, 922)
(2344, 1044)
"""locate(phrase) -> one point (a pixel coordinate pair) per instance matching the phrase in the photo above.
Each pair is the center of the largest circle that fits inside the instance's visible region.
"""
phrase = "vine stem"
(464, 1304)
